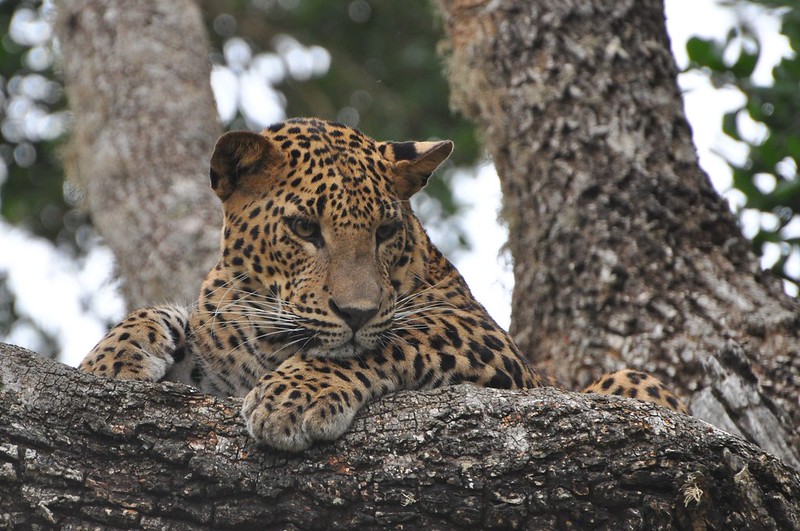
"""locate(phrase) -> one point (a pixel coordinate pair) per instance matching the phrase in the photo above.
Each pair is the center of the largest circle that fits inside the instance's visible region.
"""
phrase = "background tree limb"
(137, 80)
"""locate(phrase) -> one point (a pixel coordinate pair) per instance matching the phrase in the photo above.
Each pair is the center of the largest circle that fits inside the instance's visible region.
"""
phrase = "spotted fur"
(328, 293)
(639, 385)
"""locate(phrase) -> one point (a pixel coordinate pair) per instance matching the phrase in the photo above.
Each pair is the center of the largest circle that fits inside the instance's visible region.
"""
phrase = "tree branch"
(80, 451)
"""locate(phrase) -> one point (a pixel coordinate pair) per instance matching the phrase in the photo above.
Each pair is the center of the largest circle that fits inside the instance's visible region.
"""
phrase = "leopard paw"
(144, 346)
(291, 418)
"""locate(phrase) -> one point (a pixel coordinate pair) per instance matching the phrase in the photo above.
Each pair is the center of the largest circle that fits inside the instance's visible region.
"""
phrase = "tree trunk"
(624, 254)
(81, 452)
(137, 81)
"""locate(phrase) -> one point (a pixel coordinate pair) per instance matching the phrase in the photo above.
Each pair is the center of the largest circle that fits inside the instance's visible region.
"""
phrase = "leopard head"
(317, 225)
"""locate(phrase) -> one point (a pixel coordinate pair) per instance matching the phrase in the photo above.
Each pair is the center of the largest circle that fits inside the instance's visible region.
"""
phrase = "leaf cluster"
(768, 178)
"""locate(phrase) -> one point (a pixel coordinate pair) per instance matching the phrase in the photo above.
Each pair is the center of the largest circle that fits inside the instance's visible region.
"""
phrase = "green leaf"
(793, 148)
(706, 53)
(729, 125)
(745, 64)
(787, 192)
(768, 154)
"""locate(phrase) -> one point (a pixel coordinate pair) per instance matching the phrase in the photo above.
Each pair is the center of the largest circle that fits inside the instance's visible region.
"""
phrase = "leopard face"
(317, 242)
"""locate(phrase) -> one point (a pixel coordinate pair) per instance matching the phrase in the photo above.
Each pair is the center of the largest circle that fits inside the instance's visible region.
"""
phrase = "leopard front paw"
(292, 419)
(144, 346)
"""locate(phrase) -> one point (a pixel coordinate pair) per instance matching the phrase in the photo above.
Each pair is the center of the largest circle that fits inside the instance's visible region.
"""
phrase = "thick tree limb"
(77, 451)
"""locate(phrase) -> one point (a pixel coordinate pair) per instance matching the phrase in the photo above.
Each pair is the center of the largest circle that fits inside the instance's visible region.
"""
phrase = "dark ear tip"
(239, 144)
(442, 148)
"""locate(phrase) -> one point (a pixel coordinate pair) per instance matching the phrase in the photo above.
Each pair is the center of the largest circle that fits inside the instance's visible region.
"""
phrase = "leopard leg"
(638, 385)
(308, 398)
(315, 398)
(145, 346)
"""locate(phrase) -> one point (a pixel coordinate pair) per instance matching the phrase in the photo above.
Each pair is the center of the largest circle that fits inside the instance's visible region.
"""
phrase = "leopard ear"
(415, 162)
(239, 159)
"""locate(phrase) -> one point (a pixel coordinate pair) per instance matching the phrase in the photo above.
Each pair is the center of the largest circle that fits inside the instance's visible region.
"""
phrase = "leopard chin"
(350, 348)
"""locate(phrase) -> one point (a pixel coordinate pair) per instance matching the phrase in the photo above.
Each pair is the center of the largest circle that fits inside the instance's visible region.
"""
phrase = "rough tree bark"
(136, 76)
(624, 254)
(79, 452)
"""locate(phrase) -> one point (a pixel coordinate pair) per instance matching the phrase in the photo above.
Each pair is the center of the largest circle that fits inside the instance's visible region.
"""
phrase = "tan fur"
(328, 293)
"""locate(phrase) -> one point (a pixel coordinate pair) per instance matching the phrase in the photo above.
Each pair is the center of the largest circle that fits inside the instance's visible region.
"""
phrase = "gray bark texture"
(144, 125)
(624, 254)
(78, 452)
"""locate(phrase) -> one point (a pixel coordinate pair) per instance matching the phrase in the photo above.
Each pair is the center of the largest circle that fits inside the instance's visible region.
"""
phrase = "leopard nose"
(354, 317)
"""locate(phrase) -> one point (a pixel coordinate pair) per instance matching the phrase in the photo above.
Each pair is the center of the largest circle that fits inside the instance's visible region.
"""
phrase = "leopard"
(328, 293)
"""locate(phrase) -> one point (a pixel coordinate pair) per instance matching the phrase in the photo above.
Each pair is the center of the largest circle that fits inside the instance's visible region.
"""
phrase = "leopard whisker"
(228, 284)
(268, 297)
(263, 313)
(406, 300)
(423, 313)
(394, 337)
(422, 308)
(269, 325)
(304, 340)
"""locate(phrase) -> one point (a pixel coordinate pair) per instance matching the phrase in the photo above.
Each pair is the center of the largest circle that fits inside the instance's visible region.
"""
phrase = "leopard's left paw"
(291, 417)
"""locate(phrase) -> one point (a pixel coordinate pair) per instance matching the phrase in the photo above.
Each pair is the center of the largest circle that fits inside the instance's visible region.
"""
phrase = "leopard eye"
(386, 231)
(306, 229)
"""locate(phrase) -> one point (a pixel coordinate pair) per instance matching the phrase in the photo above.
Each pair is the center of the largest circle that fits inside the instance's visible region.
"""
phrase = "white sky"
(71, 300)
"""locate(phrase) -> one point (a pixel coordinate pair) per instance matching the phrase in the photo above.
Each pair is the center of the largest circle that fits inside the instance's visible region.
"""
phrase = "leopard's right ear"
(242, 160)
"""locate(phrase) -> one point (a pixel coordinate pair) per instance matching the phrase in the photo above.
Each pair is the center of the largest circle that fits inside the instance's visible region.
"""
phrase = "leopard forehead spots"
(335, 173)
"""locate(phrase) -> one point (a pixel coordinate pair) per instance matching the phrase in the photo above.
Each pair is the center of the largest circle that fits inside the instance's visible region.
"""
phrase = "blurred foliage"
(31, 125)
(769, 178)
(32, 121)
(384, 77)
